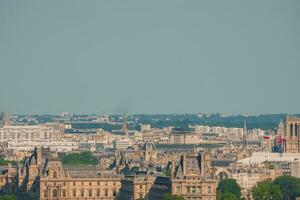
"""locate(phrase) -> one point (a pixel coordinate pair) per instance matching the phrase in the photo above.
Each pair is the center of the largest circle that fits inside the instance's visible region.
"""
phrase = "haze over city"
(150, 57)
(149, 100)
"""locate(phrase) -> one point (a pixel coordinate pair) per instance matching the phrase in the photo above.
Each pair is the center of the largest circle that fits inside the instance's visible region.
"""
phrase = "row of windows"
(80, 193)
(193, 189)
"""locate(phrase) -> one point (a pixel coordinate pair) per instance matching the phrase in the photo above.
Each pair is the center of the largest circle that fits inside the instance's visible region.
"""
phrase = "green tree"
(229, 196)
(229, 187)
(266, 190)
(83, 158)
(290, 186)
(169, 196)
(3, 161)
(8, 197)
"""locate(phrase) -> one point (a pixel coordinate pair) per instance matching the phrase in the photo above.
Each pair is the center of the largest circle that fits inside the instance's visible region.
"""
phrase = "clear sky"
(163, 56)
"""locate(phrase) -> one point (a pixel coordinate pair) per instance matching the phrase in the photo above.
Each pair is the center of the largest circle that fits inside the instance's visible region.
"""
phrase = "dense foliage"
(290, 186)
(83, 158)
(228, 189)
(5, 162)
(168, 196)
(266, 190)
(182, 122)
(8, 197)
(283, 187)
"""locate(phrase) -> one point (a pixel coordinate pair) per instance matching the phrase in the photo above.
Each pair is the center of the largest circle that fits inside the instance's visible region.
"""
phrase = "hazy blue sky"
(163, 56)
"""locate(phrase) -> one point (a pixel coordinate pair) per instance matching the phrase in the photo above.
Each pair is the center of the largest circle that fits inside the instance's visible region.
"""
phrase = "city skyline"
(160, 57)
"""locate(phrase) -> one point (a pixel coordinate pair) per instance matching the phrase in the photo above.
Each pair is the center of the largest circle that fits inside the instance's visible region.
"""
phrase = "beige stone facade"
(46, 178)
(291, 129)
(193, 178)
(136, 187)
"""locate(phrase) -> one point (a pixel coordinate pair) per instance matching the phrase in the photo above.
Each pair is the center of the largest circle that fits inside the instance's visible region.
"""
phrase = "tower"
(291, 137)
(4, 119)
(245, 136)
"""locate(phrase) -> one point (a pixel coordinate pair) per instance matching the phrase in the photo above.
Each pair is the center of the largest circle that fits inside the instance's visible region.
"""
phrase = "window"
(54, 174)
(54, 193)
(98, 193)
(188, 189)
(90, 193)
(114, 193)
(45, 194)
(90, 183)
(74, 193)
(291, 130)
(199, 190)
(209, 189)
(106, 193)
(141, 186)
(178, 189)
(74, 183)
(82, 193)
(64, 193)
(194, 189)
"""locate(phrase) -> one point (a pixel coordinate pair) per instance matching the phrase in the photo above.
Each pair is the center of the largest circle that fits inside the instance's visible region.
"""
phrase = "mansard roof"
(189, 164)
(82, 170)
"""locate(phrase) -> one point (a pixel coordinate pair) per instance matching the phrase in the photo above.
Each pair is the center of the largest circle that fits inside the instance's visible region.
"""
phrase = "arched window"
(54, 193)
(296, 129)
(54, 174)
(291, 130)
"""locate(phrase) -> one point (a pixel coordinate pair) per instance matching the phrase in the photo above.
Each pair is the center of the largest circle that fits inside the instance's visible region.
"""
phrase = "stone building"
(136, 187)
(28, 133)
(45, 177)
(7, 175)
(291, 137)
(193, 178)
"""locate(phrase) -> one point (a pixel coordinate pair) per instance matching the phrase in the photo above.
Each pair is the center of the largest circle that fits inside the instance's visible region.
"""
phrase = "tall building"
(4, 119)
(291, 137)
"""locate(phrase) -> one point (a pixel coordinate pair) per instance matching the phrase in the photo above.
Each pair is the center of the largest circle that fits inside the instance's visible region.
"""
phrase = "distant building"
(145, 127)
(185, 138)
(122, 143)
(29, 133)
